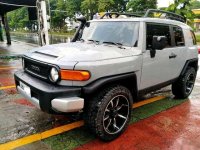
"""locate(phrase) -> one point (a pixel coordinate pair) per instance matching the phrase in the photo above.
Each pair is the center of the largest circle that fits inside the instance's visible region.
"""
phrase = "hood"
(79, 52)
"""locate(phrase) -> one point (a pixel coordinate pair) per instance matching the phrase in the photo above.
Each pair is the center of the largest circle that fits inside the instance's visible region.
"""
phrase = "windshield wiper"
(114, 43)
(95, 41)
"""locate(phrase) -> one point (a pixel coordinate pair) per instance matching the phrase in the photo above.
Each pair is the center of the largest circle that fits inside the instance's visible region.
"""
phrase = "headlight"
(54, 74)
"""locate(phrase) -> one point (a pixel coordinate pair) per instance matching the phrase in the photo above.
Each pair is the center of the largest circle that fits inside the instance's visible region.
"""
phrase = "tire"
(183, 87)
(107, 115)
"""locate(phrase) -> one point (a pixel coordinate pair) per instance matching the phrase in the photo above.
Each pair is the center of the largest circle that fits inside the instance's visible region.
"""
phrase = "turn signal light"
(75, 75)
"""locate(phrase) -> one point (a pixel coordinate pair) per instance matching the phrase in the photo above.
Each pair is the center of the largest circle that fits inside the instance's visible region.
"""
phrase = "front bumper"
(48, 97)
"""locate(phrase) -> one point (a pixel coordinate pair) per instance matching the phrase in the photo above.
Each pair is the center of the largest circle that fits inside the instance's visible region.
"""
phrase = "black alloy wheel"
(116, 114)
(108, 113)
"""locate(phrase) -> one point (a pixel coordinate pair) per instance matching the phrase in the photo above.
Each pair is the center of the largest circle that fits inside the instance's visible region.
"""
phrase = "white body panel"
(107, 60)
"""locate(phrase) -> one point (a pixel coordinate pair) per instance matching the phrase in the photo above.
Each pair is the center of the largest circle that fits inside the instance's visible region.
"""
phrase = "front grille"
(36, 68)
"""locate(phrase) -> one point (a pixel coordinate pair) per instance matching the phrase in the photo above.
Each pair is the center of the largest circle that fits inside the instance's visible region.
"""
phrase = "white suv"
(108, 65)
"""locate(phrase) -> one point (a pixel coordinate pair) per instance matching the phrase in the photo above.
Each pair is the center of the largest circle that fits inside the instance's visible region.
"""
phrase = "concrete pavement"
(153, 126)
(17, 49)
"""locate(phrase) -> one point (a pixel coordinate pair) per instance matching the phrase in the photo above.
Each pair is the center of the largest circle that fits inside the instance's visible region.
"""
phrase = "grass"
(51, 33)
(80, 136)
(10, 58)
(198, 38)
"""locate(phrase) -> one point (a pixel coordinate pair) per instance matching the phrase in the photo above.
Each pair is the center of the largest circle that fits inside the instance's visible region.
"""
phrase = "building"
(196, 21)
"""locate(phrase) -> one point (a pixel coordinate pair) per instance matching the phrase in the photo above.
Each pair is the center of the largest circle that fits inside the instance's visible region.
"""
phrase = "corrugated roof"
(9, 5)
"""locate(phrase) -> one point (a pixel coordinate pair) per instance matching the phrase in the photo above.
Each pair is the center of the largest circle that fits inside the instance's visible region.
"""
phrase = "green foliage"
(198, 38)
(68, 8)
(182, 7)
(141, 5)
(119, 5)
(89, 7)
(73, 7)
(195, 4)
(105, 5)
(18, 19)
(58, 18)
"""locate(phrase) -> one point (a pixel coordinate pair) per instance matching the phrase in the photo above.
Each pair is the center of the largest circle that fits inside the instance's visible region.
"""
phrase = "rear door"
(178, 53)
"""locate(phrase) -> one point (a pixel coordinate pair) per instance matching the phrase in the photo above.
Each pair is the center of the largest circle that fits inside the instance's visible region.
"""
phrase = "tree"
(89, 7)
(105, 5)
(112, 5)
(57, 16)
(119, 5)
(141, 5)
(73, 7)
(18, 19)
(195, 4)
(183, 8)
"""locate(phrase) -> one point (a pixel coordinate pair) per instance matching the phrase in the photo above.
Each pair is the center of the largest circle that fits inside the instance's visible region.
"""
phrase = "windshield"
(117, 32)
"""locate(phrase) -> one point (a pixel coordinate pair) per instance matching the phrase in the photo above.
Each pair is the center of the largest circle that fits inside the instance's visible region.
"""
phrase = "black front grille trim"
(30, 72)
(38, 69)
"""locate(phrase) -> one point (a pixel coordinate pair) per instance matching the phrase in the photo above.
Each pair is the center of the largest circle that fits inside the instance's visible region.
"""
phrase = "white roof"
(155, 20)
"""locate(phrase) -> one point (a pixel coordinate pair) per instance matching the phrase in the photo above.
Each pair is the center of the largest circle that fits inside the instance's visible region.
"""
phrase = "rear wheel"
(109, 112)
(183, 87)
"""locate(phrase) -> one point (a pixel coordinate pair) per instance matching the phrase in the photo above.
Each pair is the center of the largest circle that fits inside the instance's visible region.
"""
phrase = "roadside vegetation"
(64, 12)
(65, 34)
(198, 38)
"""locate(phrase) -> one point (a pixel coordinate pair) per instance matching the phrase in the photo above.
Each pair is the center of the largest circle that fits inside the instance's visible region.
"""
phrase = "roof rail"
(117, 14)
(167, 15)
(149, 13)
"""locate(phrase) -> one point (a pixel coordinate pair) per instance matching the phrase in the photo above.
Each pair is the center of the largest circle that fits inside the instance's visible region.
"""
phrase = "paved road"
(176, 128)
(18, 117)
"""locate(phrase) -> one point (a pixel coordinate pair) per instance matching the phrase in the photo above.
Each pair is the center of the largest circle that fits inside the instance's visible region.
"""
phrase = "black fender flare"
(188, 63)
(129, 78)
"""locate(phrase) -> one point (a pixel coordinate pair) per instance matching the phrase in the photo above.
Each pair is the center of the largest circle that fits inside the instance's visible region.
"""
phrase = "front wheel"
(183, 87)
(109, 112)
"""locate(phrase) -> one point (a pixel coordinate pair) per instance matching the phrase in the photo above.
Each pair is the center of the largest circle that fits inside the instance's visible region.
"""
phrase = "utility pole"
(1, 30)
(7, 29)
(42, 22)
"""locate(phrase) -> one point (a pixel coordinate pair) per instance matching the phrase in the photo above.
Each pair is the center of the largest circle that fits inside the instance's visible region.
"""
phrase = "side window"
(157, 30)
(193, 38)
(178, 36)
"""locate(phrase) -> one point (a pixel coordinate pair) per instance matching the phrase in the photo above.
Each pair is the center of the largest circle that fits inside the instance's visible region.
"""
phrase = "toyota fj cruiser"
(109, 64)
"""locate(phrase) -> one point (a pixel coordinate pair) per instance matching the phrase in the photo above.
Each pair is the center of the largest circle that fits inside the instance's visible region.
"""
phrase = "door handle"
(172, 56)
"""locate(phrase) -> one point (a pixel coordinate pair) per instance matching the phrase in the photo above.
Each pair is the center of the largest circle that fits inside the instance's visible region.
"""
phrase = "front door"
(158, 69)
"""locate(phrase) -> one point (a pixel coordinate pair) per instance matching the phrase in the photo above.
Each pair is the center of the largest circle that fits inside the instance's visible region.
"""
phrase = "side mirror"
(159, 42)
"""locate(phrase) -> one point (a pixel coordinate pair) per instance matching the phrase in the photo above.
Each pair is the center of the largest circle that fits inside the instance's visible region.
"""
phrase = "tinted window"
(193, 38)
(157, 30)
(178, 36)
(125, 33)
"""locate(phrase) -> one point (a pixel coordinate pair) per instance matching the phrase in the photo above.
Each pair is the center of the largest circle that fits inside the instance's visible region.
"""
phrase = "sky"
(164, 3)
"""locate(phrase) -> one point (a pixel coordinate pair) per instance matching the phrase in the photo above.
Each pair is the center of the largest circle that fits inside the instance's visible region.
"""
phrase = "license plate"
(26, 88)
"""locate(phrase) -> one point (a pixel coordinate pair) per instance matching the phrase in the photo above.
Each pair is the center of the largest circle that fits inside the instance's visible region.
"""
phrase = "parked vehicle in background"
(109, 64)
(199, 49)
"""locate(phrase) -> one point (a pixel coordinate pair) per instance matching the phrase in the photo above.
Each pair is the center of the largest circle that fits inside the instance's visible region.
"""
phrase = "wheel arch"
(190, 63)
(128, 80)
